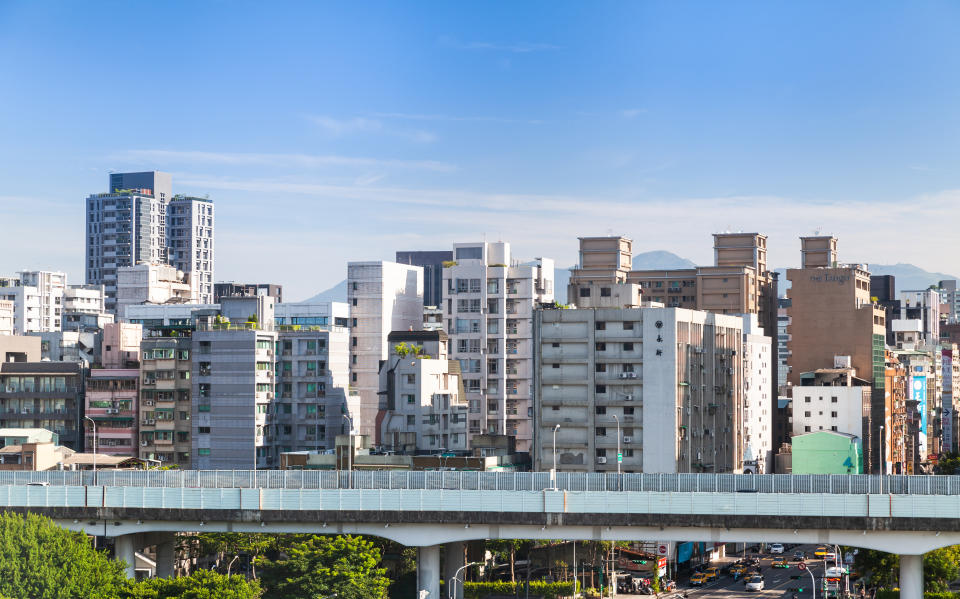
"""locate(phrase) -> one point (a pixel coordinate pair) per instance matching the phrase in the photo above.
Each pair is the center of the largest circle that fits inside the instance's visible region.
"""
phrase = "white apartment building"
(831, 399)
(154, 283)
(783, 339)
(84, 308)
(919, 311)
(489, 303)
(663, 384)
(6, 317)
(37, 298)
(422, 396)
(757, 418)
(383, 297)
(313, 377)
(190, 243)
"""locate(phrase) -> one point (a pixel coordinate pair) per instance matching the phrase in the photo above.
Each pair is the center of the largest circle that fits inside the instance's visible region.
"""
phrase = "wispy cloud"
(515, 47)
(342, 127)
(921, 168)
(632, 113)
(277, 160)
(447, 117)
(345, 126)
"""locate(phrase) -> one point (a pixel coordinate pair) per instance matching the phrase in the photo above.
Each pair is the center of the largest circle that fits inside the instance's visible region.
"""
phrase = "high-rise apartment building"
(739, 282)
(140, 221)
(664, 385)
(190, 243)
(311, 400)
(165, 406)
(383, 297)
(37, 298)
(783, 351)
(950, 298)
(489, 303)
(84, 308)
(832, 399)
(757, 415)
(423, 396)
(831, 314)
(432, 265)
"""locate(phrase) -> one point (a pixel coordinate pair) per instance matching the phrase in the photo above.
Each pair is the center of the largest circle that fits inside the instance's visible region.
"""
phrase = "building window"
(806, 414)
(833, 414)
(601, 431)
(628, 347)
(584, 292)
(601, 410)
(203, 451)
(833, 400)
(628, 325)
(806, 429)
(601, 346)
(600, 325)
(601, 367)
(806, 400)
(601, 389)
(604, 292)
(556, 366)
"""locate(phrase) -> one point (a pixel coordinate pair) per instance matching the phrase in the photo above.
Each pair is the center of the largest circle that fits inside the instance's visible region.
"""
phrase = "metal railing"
(858, 484)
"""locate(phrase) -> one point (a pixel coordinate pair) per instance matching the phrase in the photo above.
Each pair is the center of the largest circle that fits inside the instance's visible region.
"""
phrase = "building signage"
(946, 407)
(918, 393)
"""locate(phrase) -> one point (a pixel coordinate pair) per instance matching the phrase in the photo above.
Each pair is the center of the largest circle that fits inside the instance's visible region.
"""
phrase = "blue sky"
(329, 132)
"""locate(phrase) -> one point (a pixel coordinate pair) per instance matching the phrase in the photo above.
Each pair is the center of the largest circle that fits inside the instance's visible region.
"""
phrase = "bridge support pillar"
(452, 561)
(428, 572)
(911, 577)
(166, 556)
(125, 549)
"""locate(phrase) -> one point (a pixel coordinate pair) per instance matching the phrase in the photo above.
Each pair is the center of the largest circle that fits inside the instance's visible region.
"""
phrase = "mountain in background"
(655, 260)
(906, 277)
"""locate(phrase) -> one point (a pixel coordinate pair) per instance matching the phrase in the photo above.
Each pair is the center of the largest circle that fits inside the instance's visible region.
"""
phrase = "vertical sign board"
(946, 406)
(918, 391)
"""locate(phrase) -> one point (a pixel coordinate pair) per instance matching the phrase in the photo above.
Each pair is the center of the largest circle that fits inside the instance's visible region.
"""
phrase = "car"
(776, 548)
(754, 583)
(834, 572)
(780, 563)
(799, 556)
(821, 551)
(698, 579)
(752, 561)
(712, 573)
(738, 570)
(38, 483)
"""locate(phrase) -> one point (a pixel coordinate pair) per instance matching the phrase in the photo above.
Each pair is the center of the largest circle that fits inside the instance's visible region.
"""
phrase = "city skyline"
(351, 134)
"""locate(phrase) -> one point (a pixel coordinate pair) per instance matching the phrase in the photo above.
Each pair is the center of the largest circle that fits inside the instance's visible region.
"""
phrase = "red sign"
(661, 562)
(801, 566)
(662, 549)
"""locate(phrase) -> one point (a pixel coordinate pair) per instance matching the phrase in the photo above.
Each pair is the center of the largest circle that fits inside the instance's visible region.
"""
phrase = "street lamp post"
(554, 474)
(350, 453)
(618, 446)
(883, 458)
(453, 584)
(94, 424)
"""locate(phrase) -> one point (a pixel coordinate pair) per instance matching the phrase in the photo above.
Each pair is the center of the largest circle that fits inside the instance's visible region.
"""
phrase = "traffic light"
(796, 577)
(796, 589)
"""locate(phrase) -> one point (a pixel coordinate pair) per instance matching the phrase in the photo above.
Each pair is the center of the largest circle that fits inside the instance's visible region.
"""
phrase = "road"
(777, 581)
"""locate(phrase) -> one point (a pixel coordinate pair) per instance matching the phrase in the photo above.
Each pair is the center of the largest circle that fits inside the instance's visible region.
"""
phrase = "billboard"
(946, 405)
(918, 393)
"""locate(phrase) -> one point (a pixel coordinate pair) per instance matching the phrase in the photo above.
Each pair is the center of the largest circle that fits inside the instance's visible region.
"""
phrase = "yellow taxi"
(821, 551)
(780, 562)
(712, 573)
(738, 570)
(698, 579)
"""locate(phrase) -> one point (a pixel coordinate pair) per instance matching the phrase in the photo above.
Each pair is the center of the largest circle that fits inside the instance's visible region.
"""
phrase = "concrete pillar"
(166, 556)
(428, 572)
(911, 577)
(453, 561)
(124, 550)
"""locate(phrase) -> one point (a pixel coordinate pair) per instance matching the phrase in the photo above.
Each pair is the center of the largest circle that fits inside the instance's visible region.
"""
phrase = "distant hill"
(657, 259)
(337, 293)
(906, 276)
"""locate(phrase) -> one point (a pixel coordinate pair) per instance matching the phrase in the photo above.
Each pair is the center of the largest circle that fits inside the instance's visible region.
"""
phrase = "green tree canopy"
(940, 567)
(40, 560)
(202, 584)
(322, 566)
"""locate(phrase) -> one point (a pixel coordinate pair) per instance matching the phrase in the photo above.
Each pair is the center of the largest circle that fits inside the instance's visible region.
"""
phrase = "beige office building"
(831, 314)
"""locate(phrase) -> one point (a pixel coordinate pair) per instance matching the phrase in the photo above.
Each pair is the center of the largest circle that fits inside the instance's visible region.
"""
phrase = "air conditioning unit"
(151, 421)
(631, 375)
(601, 460)
(148, 402)
(628, 439)
(628, 397)
(623, 375)
(145, 421)
(161, 458)
(143, 444)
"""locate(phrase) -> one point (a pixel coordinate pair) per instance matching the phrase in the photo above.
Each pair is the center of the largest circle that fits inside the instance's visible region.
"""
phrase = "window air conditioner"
(601, 460)
(628, 439)
(628, 397)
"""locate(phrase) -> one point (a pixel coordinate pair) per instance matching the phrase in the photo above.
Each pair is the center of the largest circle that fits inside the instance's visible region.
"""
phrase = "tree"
(940, 567)
(322, 566)
(202, 584)
(949, 463)
(40, 560)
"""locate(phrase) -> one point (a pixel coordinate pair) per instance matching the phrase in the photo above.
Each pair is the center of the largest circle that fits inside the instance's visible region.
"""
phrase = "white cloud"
(344, 126)
(446, 117)
(515, 47)
(632, 113)
(160, 157)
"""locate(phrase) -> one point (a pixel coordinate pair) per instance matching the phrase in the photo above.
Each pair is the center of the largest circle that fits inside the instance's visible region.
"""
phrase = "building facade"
(432, 265)
(37, 298)
(84, 308)
(232, 289)
(45, 395)
(664, 384)
(832, 399)
(165, 407)
(422, 396)
(6, 317)
(190, 243)
(490, 299)
(382, 297)
(757, 415)
(831, 314)
(151, 283)
(112, 401)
